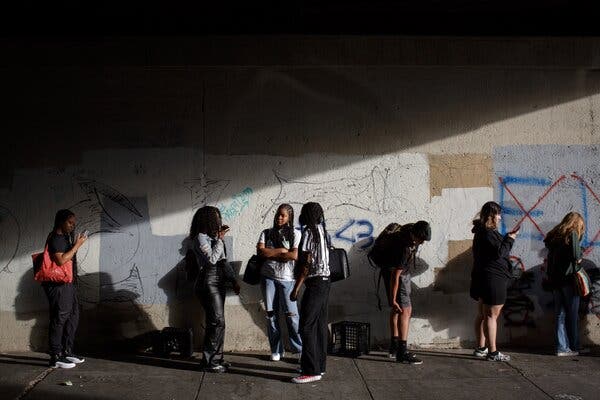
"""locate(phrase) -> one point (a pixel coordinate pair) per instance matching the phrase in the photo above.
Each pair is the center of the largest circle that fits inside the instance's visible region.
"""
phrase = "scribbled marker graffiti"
(10, 237)
(368, 192)
(519, 305)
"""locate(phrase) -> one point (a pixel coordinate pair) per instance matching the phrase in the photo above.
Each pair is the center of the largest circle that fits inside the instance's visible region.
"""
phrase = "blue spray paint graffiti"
(355, 230)
(532, 214)
(504, 181)
(238, 204)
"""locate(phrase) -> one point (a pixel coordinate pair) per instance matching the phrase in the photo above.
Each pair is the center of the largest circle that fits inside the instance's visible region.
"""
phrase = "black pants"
(64, 316)
(212, 296)
(313, 325)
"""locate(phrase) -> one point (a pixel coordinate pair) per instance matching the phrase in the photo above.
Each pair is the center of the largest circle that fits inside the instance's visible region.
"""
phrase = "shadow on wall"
(357, 298)
(447, 305)
(104, 325)
(589, 309)
(31, 304)
(184, 308)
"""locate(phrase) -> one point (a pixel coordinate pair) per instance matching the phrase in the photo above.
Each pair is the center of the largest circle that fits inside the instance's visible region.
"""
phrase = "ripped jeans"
(277, 297)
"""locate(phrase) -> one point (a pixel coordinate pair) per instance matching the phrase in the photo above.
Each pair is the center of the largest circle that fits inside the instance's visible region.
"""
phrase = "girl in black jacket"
(490, 277)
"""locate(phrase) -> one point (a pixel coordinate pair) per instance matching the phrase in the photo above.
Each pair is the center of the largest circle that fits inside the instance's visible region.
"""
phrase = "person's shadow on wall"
(362, 293)
(184, 308)
(589, 308)
(109, 320)
(31, 304)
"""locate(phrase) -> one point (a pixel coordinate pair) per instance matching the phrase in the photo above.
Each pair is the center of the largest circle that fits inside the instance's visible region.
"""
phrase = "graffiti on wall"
(10, 237)
(518, 309)
(536, 186)
(534, 212)
(205, 190)
(239, 202)
(356, 230)
(369, 192)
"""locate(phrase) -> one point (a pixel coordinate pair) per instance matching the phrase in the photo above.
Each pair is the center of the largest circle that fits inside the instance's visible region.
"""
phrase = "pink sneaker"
(306, 378)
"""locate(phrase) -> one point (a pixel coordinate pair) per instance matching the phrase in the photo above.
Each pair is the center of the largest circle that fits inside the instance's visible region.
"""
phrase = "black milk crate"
(350, 338)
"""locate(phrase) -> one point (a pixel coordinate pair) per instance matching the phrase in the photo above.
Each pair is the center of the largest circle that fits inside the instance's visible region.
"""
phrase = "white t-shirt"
(281, 271)
(320, 254)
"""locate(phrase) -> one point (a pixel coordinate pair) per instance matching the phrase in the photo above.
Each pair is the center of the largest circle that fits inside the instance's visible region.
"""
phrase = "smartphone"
(517, 229)
(224, 228)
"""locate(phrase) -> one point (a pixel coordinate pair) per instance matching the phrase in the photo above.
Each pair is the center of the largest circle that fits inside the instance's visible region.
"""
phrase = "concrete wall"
(134, 150)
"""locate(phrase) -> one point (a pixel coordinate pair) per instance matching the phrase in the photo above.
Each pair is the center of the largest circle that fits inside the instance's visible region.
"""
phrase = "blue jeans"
(566, 308)
(277, 296)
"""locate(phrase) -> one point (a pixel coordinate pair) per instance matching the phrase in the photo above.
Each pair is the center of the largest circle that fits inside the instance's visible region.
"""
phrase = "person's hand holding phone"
(81, 238)
(513, 234)
(223, 231)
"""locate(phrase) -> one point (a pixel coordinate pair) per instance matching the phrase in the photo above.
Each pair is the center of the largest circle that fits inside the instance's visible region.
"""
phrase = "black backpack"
(382, 254)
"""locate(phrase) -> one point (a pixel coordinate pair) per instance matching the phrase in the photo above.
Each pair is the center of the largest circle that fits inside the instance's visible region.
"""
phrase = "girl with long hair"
(279, 246)
(208, 232)
(490, 277)
(564, 256)
(313, 272)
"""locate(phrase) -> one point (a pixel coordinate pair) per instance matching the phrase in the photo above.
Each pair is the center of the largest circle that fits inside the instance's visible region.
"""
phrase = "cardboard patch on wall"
(459, 171)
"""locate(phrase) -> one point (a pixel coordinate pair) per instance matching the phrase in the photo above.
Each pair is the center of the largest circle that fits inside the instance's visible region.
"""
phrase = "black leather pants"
(212, 296)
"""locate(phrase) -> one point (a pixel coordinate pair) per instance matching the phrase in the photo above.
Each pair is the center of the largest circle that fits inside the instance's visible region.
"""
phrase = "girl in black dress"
(490, 277)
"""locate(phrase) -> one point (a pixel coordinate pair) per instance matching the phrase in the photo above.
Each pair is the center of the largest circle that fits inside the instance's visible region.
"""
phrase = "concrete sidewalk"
(445, 374)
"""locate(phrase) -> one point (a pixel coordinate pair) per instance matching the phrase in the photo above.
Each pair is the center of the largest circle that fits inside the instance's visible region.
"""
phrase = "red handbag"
(46, 270)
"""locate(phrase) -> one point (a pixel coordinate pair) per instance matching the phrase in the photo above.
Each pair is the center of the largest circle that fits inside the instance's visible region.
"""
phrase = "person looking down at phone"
(208, 232)
(62, 297)
(490, 277)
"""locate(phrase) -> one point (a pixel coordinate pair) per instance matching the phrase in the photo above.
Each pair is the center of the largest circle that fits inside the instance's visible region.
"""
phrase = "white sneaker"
(275, 357)
(481, 353)
(498, 357)
(74, 359)
(306, 378)
(568, 353)
(61, 362)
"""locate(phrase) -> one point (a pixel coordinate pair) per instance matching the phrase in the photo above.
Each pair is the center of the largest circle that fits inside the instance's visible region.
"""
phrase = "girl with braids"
(210, 251)
(313, 271)
(489, 277)
(564, 256)
(279, 246)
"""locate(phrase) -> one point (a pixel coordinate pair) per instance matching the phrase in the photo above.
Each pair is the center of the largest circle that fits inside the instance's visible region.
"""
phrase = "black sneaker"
(73, 358)
(60, 362)
(408, 358)
(393, 348)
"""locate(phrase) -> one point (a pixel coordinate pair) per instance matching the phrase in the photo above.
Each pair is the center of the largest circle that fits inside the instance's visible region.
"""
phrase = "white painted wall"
(356, 140)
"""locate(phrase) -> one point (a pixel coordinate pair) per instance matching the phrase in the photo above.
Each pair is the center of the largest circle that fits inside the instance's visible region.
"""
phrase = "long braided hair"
(311, 216)
(277, 235)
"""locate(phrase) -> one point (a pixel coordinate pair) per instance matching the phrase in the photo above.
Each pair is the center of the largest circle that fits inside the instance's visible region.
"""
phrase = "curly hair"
(206, 220)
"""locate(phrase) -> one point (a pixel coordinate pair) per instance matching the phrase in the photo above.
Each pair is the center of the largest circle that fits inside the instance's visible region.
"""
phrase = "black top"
(491, 252)
(61, 244)
(562, 260)
(403, 249)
